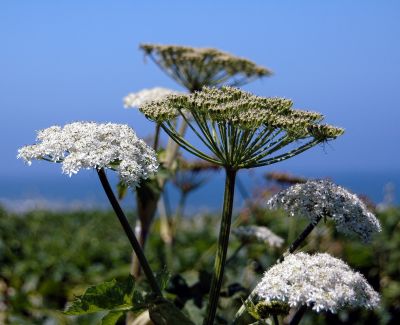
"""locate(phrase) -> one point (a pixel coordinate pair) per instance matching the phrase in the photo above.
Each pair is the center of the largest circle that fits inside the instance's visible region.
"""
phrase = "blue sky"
(63, 61)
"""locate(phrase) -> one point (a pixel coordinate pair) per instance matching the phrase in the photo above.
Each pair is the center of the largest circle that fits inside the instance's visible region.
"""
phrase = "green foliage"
(48, 258)
(109, 296)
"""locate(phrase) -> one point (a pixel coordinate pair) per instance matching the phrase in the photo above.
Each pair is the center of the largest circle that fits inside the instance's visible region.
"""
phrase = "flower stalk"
(297, 242)
(129, 232)
(222, 248)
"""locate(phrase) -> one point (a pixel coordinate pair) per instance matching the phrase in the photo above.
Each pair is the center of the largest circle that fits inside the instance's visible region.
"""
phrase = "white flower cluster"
(319, 281)
(146, 96)
(322, 198)
(258, 234)
(90, 145)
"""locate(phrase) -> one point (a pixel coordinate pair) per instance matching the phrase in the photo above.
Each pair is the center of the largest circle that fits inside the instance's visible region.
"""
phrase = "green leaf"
(162, 278)
(166, 313)
(112, 318)
(105, 296)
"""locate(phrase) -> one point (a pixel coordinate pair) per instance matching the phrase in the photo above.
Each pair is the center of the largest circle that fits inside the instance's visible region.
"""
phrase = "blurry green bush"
(48, 257)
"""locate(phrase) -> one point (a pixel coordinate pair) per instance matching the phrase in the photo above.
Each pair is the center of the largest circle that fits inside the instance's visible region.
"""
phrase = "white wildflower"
(319, 281)
(90, 145)
(146, 96)
(258, 234)
(322, 198)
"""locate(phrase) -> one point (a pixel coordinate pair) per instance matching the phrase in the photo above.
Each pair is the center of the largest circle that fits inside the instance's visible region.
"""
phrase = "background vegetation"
(46, 258)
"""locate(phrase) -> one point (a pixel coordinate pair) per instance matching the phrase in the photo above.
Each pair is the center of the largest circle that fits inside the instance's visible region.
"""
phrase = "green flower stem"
(129, 232)
(173, 147)
(156, 136)
(222, 248)
(168, 128)
(287, 155)
(297, 242)
(208, 141)
(275, 319)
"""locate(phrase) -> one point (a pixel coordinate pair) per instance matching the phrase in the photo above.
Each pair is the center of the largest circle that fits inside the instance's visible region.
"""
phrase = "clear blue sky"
(63, 61)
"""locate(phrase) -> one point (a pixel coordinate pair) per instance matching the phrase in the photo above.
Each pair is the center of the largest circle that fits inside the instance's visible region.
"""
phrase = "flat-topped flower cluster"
(243, 109)
(198, 67)
(322, 198)
(175, 55)
(84, 145)
(319, 281)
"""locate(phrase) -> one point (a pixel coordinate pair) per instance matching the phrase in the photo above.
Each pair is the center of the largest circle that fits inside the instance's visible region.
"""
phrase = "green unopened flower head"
(241, 130)
(195, 68)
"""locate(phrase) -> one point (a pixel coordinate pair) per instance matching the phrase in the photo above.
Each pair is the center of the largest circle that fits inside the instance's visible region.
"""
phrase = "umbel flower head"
(319, 281)
(134, 100)
(91, 145)
(241, 130)
(195, 68)
(322, 198)
(258, 234)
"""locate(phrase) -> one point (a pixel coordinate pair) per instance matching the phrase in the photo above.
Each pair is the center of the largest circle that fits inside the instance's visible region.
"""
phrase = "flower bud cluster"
(245, 110)
(198, 67)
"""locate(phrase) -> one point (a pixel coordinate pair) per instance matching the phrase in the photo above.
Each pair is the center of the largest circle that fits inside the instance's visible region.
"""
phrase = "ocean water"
(83, 191)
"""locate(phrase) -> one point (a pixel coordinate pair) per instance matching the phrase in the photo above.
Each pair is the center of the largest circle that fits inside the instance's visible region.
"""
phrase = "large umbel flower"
(100, 146)
(195, 68)
(240, 129)
(85, 145)
(319, 281)
(323, 199)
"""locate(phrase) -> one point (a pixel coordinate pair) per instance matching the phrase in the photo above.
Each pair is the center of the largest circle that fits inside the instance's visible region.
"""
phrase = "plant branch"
(129, 232)
(297, 242)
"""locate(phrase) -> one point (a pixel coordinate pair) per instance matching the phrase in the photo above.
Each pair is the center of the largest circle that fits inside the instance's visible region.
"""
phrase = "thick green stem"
(222, 248)
(129, 232)
(156, 136)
